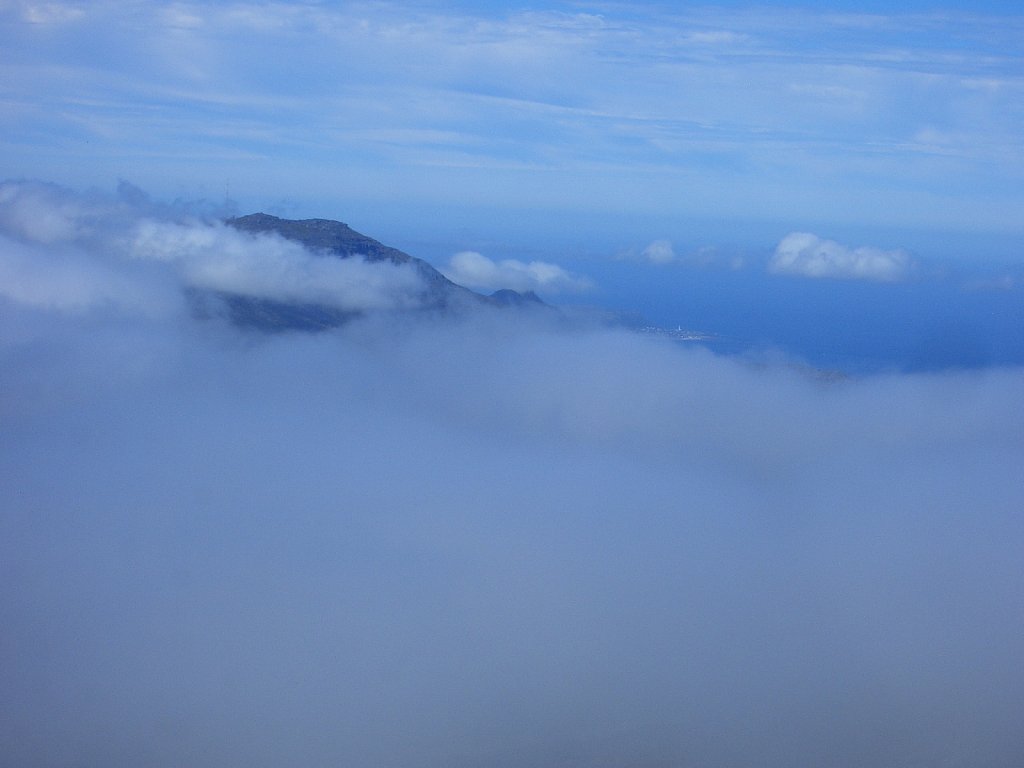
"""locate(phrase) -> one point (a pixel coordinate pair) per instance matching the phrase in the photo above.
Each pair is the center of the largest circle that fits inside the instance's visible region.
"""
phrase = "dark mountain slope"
(506, 297)
(333, 239)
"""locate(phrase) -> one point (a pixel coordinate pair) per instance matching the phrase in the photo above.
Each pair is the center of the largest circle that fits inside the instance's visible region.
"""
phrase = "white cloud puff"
(216, 257)
(807, 255)
(659, 252)
(474, 270)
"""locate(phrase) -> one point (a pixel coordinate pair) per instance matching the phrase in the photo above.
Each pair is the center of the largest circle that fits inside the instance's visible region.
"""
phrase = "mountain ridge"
(335, 239)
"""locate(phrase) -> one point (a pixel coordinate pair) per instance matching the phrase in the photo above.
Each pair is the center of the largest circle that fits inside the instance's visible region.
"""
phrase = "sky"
(508, 538)
(853, 116)
(582, 138)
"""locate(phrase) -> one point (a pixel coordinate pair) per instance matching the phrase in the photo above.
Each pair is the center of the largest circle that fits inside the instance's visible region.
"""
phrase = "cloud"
(717, 37)
(216, 257)
(74, 251)
(659, 252)
(654, 110)
(68, 280)
(474, 270)
(510, 543)
(44, 213)
(1004, 282)
(58, 252)
(807, 255)
(662, 252)
(49, 13)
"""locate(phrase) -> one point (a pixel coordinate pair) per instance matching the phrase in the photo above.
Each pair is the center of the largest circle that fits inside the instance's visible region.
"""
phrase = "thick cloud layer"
(489, 542)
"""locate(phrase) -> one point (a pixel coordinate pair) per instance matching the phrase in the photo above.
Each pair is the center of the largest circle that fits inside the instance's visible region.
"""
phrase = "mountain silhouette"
(333, 239)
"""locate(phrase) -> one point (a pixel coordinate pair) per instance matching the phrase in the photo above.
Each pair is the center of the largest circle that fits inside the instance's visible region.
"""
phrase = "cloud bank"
(807, 255)
(478, 542)
(66, 250)
(474, 270)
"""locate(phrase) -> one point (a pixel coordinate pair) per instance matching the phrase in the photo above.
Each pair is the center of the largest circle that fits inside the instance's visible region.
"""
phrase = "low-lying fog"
(486, 540)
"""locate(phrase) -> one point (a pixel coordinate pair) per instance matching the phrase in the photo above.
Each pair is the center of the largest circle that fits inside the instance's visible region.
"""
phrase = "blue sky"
(906, 117)
(578, 133)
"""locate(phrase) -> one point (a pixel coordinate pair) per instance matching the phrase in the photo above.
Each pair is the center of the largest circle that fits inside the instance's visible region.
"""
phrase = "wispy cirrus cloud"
(48, 13)
(703, 107)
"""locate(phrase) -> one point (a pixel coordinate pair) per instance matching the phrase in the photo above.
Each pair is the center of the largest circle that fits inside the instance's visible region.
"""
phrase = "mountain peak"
(334, 237)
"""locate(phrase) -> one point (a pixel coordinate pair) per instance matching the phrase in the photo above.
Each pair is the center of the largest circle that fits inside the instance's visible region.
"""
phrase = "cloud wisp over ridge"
(474, 541)
(69, 250)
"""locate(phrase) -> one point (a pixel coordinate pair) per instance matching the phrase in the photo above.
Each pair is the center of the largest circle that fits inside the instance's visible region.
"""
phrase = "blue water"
(925, 324)
(942, 318)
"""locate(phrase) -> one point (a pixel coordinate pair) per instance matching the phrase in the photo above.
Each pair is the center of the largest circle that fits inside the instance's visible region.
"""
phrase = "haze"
(748, 491)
